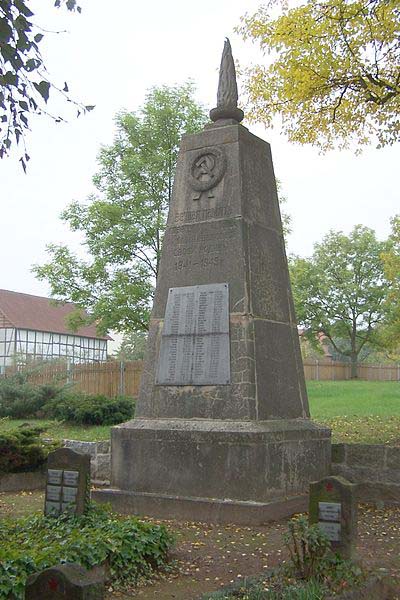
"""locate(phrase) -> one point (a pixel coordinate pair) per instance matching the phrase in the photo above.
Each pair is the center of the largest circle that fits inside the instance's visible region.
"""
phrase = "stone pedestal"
(234, 450)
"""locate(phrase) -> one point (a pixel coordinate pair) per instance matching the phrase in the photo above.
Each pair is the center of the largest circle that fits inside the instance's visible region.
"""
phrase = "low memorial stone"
(68, 482)
(67, 582)
(333, 506)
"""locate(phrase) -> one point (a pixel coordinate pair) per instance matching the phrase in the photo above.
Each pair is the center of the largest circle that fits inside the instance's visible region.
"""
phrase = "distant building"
(33, 328)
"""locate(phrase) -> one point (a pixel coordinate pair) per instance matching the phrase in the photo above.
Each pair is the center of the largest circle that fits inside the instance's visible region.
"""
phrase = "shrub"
(307, 546)
(132, 548)
(84, 409)
(23, 450)
(20, 399)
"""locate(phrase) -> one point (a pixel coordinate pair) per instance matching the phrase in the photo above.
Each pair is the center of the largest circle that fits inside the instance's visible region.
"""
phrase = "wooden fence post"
(122, 378)
(69, 371)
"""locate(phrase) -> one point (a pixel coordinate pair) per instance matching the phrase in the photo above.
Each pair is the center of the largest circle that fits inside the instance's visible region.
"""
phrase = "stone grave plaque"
(68, 481)
(195, 338)
(54, 476)
(69, 494)
(329, 511)
(52, 508)
(54, 493)
(65, 582)
(331, 530)
(333, 506)
(71, 478)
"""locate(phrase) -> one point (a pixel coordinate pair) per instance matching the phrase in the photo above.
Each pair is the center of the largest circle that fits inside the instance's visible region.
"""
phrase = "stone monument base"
(216, 471)
(206, 510)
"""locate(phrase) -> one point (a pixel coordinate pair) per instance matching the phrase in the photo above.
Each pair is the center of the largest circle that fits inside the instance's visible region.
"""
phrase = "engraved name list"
(195, 339)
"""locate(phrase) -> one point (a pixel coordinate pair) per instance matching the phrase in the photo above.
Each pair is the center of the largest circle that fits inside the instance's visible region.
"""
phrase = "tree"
(340, 292)
(123, 224)
(390, 332)
(24, 81)
(334, 70)
(133, 346)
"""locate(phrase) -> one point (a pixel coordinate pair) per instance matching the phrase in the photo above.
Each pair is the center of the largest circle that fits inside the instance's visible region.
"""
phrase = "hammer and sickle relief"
(207, 168)
(204, 167)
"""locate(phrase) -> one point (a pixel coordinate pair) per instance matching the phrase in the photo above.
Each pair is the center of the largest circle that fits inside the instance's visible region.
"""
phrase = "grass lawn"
(356, 411)
(60, 430)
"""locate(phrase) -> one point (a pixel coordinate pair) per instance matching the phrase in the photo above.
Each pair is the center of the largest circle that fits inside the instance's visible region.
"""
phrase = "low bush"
(20, 399)
(84, 409)
(131, 547)
(23, 450)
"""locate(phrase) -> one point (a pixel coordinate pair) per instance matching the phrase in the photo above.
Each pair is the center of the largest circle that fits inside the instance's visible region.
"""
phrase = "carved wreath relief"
(207, 168)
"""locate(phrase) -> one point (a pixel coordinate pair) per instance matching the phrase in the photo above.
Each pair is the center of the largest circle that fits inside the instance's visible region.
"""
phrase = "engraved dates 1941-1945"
(204, 262)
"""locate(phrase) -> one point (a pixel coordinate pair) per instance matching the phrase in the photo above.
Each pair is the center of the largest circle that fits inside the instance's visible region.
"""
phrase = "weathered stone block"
(81, 447)
(219, 459)
(365, 455)
(393, 458)
(276, 377)
(103, 467)
(338, 453)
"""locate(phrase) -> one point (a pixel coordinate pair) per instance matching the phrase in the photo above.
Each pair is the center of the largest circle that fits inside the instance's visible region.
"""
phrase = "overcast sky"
(109, 56)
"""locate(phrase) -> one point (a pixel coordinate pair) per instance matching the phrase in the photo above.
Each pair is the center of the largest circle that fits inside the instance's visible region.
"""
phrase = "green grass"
(354, 398)
(356, 411)
(61, 431)
(365, 412)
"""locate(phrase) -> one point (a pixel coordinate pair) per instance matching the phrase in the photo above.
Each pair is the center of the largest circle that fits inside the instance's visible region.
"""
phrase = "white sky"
(109, 56)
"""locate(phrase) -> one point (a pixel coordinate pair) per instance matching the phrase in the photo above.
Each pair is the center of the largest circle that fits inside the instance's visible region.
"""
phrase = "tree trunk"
(354, 366)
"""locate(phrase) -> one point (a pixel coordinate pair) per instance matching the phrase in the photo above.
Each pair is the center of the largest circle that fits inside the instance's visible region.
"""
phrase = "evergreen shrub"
(85, 409)
(23, 450)
(20, 399)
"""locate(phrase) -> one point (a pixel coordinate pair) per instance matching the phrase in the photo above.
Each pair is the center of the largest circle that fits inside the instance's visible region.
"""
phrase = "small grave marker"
(66, 582)
(333, 506)
(68, 482)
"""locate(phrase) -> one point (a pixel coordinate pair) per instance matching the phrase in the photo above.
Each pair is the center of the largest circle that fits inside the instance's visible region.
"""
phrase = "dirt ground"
(207, 557)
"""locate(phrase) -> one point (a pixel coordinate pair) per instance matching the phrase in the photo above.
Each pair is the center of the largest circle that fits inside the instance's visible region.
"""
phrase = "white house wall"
(41, 345)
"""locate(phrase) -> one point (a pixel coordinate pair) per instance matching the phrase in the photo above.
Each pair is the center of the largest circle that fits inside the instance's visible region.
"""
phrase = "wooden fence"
(110, 378)
(113, 377)
(328, 370)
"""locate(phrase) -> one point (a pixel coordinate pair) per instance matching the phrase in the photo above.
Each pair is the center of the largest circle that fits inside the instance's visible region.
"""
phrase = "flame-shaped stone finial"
(227, 96)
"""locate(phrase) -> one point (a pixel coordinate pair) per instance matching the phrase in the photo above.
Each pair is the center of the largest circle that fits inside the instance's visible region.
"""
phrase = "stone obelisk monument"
(222, 429)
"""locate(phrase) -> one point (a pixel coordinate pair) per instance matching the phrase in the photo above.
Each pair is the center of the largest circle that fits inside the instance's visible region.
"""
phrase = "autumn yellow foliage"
(331, 70)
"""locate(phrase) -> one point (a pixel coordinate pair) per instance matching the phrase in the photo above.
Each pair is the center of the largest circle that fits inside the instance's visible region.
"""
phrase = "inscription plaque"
(329, 511)
(54, 476)
(71, 477)
(53, 493)
(331, 530)
(52, 508)
(69, 494)
(195, 339)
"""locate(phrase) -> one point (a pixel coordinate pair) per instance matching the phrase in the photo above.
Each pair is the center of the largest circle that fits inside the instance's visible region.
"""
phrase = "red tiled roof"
(25, 311)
